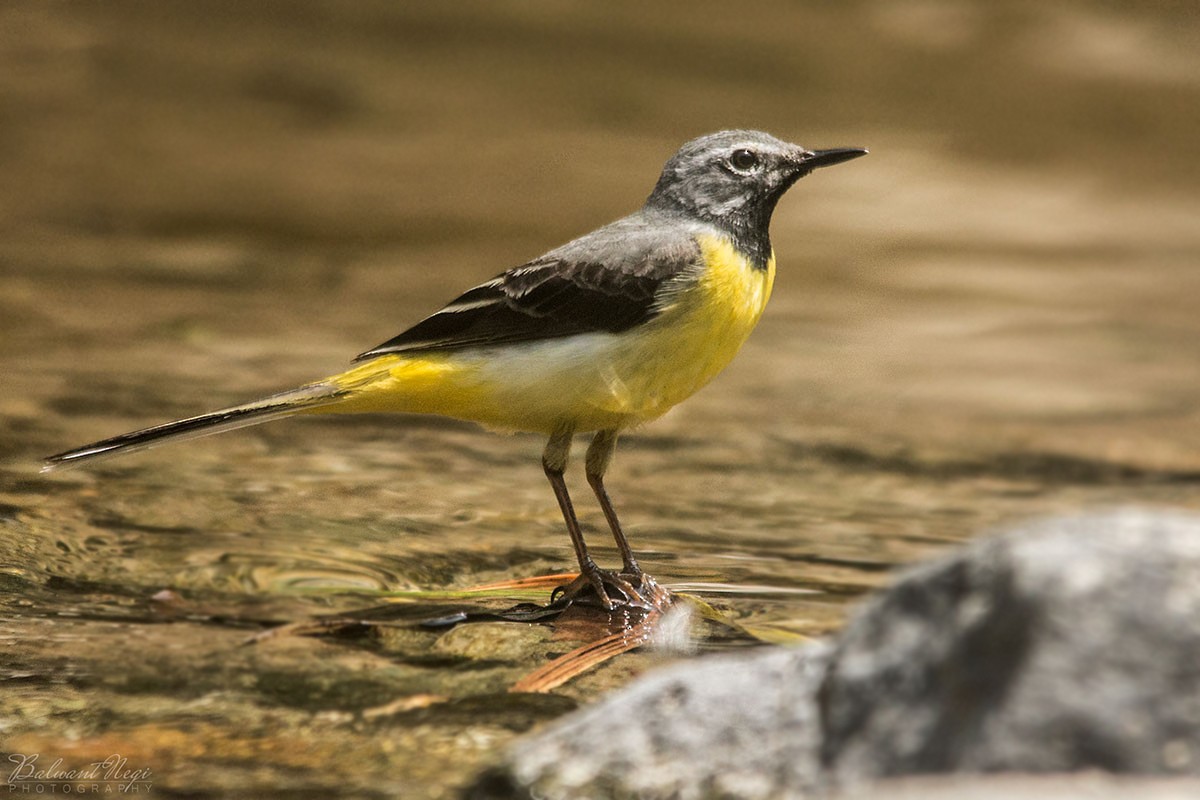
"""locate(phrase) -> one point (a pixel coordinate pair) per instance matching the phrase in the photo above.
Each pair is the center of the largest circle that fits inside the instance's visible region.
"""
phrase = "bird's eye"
(743, 160)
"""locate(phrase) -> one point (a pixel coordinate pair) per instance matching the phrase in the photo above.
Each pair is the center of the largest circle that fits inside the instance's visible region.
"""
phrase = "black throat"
(751, 234)
(749, 227)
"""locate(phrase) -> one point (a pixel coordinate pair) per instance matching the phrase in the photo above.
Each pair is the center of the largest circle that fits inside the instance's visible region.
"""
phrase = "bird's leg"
(599, 456)
(554, 462)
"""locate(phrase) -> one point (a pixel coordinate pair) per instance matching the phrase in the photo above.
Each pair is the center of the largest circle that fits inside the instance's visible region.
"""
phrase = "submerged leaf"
(530, 589)
(403, 704)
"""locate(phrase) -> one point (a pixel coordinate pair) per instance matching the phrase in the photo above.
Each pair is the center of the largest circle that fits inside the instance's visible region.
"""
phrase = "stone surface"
(732, 725)
(1070, 644)
(1065, 645)
(1078, 786)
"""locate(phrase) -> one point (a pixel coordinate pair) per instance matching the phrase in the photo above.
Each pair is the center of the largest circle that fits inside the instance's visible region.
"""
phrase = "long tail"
(279, 405)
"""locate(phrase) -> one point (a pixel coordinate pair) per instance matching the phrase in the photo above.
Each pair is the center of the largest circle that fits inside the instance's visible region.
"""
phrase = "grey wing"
(608, 281)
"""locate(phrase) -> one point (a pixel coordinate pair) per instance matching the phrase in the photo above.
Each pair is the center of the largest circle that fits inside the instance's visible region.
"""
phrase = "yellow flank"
(431, 383)
(590, 381)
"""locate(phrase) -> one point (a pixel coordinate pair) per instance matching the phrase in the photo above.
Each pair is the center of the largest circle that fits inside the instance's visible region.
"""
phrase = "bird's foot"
(609, 589)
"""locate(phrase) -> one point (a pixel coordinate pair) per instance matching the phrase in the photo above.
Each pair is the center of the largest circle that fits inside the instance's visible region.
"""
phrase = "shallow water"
(990, 318)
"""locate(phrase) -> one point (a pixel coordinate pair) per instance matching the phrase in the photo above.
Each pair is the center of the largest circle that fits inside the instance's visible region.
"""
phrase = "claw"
(604, 584)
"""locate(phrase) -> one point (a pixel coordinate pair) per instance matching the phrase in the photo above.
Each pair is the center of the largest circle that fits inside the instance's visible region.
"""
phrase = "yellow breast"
(731, 295)
(701, 331)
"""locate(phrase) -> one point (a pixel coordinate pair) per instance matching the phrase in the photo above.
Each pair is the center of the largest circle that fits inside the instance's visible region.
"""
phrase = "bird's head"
(734, 178)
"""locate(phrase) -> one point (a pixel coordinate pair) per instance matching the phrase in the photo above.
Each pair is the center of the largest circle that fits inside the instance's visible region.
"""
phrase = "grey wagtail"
(604, 333)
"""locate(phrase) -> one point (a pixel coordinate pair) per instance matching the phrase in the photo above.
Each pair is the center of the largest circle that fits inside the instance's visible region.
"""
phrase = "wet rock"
(729, 726)
(1070, 644)
(1065, 645)
(493, 641)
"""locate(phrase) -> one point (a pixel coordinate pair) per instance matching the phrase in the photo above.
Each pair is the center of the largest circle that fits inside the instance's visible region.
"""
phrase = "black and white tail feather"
(276, 406)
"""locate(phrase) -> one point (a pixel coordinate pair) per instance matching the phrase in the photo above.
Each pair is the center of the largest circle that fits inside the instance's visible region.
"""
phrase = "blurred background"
(991, 317)
(277, 185)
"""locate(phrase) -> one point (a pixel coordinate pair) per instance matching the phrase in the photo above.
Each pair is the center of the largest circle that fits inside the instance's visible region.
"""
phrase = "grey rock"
(1075, 786)
(739, 725)
(1068, 644)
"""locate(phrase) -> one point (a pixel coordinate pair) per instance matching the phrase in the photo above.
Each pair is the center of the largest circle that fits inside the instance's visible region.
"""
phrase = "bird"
(600, 335)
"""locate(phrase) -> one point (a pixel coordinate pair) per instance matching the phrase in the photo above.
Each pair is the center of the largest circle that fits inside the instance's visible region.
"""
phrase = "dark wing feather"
(607, 281)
